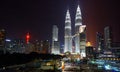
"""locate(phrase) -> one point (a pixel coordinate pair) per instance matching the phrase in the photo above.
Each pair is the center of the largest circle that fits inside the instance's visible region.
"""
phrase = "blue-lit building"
(15, 45)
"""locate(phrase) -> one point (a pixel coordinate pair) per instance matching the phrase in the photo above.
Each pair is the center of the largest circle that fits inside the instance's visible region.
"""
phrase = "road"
(80, 68)
(69, 67)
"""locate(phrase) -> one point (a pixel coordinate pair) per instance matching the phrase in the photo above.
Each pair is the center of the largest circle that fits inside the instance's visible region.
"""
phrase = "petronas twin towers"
(75, 43)
(68, 38)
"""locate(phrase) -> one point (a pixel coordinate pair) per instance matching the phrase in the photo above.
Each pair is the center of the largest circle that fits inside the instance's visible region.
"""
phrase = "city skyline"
(59, 36)
(34, 16)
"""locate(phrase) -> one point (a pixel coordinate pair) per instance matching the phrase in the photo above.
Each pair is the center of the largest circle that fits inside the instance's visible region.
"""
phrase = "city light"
(107, 67)
(63, 66)
(8, 40)
(27, 38)
(88, 44)
(81, 39)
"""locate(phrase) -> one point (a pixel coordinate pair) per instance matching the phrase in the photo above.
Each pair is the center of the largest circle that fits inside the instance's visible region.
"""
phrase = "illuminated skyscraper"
(82, 36)
(99, 42)
(78, 23)
(68, 37)
(55, 42)
(107, 36)
(55, 33)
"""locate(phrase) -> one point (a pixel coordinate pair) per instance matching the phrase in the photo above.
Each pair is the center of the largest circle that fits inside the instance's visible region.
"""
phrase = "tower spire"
(68, 19)
(78, 19)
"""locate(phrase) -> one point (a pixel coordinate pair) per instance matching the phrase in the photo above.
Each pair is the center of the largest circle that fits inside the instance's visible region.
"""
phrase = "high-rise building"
(107, 37)
(45, 47)
(37, 46)
(55, 42)
(18, 46)
(78, 23)
(56, 47)
(8, 45)
(15, 45)
(89, 52)
(82, 36)
(29, 48)
(2, 41)
(68, 36)
(61, 49)
(99, 42)
(55, 33)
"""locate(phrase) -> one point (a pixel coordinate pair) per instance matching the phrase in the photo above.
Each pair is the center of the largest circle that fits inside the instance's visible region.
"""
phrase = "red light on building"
(27, 38)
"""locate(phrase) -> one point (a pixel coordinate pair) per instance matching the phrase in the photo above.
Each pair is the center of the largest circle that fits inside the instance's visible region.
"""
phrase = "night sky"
(38, 16)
